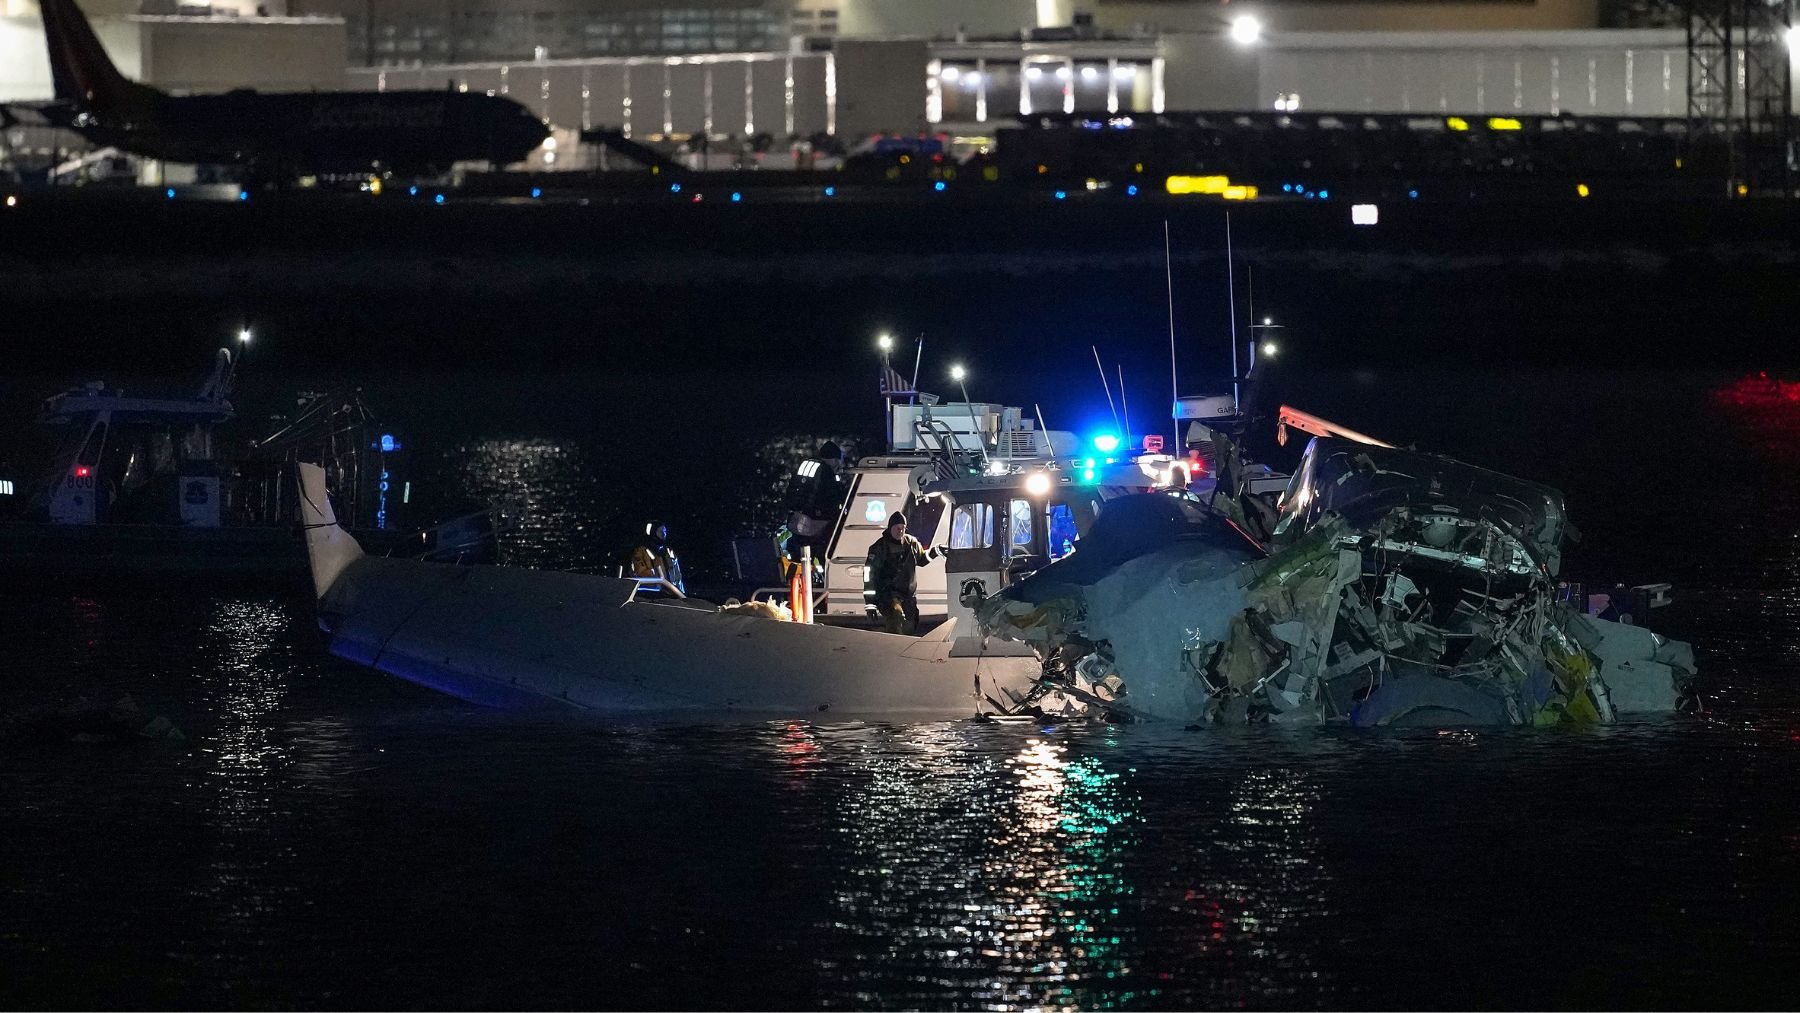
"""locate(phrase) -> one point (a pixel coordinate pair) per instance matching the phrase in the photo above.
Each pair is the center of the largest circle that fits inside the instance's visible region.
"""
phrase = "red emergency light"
(81, 471)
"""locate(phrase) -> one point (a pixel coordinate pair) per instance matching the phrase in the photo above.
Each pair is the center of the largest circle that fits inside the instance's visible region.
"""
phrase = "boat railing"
(658, 584)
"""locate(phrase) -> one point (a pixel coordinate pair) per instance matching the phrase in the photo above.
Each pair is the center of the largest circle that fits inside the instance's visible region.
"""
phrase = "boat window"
(1063, 534)
(972, 526)
(1019, 512)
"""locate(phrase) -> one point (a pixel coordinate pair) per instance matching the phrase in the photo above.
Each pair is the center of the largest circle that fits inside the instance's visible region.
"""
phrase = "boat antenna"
(1048, 442)
(918, 354)
(1231, 307)
(1169, 279)
(1124, 405)
(1108, 390)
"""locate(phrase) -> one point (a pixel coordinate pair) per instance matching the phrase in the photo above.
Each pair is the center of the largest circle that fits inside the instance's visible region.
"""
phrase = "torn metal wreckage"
(1385, 587)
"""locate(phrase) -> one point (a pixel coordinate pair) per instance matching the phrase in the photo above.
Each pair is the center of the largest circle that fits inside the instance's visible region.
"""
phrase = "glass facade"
(412, 36)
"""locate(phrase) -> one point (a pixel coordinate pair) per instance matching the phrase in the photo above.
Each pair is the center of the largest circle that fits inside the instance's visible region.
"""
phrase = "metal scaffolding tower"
(1740, 91)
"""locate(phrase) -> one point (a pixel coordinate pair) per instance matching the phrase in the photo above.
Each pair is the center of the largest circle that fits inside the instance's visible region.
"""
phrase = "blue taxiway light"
(170, 193)
(243, 195)
(1060, 194)
(674, 187)
(1414, 194)
(537, 191)
(938, 186)
(1323, 194)
(1131, 191)
(439, 198)
(831, 191)
(412, 191)
(735, 197)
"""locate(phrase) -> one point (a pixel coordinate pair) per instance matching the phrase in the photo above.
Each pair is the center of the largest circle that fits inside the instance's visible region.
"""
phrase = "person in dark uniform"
(816, 499)
(893, 573)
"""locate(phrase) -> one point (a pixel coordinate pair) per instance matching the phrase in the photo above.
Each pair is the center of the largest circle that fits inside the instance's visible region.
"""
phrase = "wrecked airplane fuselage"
(1398, 588)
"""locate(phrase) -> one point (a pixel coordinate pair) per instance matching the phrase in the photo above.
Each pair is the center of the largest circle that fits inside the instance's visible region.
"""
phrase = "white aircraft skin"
(511, 637)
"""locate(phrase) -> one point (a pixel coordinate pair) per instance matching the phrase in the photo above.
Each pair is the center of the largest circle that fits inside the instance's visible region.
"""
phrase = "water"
(329, 837)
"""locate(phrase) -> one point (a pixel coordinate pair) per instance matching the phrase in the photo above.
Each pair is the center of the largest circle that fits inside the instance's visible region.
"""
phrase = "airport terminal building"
(735, 69)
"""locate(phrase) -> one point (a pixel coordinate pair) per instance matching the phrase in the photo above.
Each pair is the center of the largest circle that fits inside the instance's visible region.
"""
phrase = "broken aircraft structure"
(1393, 587)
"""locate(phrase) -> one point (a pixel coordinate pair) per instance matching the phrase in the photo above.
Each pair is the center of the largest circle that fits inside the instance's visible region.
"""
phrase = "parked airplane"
(281, 135)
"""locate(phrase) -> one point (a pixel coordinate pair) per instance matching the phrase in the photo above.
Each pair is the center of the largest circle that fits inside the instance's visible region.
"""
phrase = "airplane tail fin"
(79, 66)
(329, 548)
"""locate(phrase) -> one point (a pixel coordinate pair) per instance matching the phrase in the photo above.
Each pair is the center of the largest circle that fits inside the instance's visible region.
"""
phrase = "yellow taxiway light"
(1504, 123)
(1197, 184)
(1456, 123)
(1581, 190)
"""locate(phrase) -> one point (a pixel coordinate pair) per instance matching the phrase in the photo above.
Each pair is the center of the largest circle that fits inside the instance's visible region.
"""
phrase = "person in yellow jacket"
(654, 558)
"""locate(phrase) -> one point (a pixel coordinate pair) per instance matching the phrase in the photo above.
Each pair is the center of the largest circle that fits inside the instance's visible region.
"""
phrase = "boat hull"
(516, 638)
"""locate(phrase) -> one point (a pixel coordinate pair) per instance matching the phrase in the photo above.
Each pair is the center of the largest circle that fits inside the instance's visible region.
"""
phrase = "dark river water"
(328, 837)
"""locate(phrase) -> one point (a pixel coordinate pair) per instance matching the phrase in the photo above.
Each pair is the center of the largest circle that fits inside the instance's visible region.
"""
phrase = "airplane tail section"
(79, 66)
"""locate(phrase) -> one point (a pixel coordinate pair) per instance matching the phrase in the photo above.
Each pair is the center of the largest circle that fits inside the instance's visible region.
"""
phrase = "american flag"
(893, 384)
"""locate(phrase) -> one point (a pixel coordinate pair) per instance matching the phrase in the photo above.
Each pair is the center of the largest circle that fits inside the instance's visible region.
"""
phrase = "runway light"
(1196, 184)
(1106, 443)
(1246, 30)
(1037, 483)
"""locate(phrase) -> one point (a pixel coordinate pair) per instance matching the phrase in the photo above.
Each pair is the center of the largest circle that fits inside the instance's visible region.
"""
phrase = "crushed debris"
(1395, 588)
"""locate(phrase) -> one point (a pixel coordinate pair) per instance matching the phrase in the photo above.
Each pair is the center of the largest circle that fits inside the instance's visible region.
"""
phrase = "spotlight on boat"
(886, 341)
(958, 373)
(1269, 348)
(244, 335)
(1037, 484)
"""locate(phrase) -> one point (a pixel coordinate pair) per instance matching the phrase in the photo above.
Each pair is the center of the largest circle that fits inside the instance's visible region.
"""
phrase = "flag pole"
(918, 354)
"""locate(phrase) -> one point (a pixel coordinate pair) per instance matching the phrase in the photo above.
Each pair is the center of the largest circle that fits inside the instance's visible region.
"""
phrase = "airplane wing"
(52, 113)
